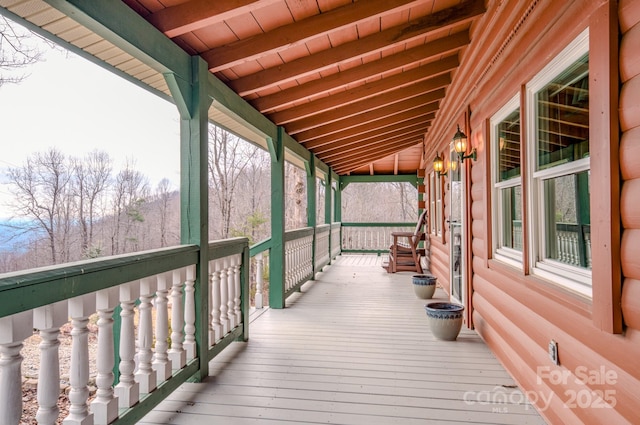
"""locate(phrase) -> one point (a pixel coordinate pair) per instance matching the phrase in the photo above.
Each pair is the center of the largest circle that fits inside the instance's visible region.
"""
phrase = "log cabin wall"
(516, 313)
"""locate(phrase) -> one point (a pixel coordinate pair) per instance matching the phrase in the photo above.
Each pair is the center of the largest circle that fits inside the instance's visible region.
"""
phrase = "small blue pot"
(445, 320)
(424, 286)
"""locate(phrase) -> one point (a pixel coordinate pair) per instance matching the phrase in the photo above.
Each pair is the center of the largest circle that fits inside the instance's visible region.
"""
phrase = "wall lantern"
(438, 165)
(460, 145)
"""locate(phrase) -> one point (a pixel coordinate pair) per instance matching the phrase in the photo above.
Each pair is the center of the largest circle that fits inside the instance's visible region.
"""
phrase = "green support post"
(311, 207)
(193, 103)
(276, 257)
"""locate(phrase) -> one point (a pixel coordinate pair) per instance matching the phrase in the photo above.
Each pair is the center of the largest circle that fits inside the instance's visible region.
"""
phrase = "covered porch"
(353, 347)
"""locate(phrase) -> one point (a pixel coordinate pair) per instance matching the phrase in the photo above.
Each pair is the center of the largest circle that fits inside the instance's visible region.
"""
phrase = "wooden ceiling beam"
(374, 151)
(374, 133)
(384, 40)
(371, 116)
(382, 125)
(337, 150)
(371, 145)
(425, 52)
(432, 76)
(192, 15)
(348, 166)
(287, 36)
(429, 91)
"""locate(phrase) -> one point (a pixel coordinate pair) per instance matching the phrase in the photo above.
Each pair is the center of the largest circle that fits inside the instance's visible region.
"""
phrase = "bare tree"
(39, 187)
(19, 48)
(229, 156)
(130, 191)
(163, 194)
(91, 177)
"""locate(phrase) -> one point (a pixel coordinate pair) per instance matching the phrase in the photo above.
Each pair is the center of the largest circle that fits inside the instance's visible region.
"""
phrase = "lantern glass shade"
(438, 164)
(460, 142)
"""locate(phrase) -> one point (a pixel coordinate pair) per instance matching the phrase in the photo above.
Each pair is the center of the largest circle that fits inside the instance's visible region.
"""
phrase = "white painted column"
(177, 355)
(237, 263)
(259, 302)
(224, 297)
(215, 330)
(190, 313)
(146, 376)
(161, 363)
(231, 293)
(80, 308)
(105, 405)
(127, 390)
(13, 330)
(48, 320)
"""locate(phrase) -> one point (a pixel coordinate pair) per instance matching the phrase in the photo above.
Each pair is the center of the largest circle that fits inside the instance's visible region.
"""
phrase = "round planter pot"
(424, 286)
(445, 320)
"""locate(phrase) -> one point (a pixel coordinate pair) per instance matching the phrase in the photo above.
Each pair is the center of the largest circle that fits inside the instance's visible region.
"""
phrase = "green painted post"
(193, 103)
(311, 207)
(245, 297)
(276, 256)
(328, 195)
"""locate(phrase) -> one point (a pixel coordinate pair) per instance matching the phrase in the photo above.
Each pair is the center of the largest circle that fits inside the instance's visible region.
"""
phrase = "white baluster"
(177, 355)
(215, 328)
(105, 406)
(146, 376)
(127, 390)
(48, 319)
(224, 298)
(13, 330)
(161, 363)
(80, 308)
(259, 302)
(190, 313)
(237, 262)
(231, 293)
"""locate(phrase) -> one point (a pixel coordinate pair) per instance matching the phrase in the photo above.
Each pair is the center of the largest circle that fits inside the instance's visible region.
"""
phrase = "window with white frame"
(507, 183)
(558, 157)
(435, 204)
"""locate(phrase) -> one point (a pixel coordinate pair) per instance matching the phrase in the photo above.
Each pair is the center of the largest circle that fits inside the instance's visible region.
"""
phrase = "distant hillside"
(12, 239)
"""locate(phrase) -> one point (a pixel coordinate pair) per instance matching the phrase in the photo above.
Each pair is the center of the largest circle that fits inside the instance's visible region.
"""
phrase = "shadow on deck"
(353, 348)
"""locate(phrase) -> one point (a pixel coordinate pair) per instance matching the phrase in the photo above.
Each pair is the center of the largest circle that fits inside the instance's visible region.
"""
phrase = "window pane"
(563, 116)
(567, 219)
(508, 132)
(511, 199)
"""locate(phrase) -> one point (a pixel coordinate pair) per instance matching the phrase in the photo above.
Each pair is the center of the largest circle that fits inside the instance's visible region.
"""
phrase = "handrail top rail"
(22, 291)
(378, 224)
(291, 235)
(259, 247)
(225, 247)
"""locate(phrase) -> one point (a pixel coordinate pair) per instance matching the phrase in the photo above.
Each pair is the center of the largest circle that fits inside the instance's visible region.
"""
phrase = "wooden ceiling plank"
(196, 14)
(371, 144)
(377, 151)
(432, 92)
(299, 32)
(353, 164)
(377, 89)
(367, 117)
(355, 133)
(374, 133)
(442, 46)
(436, 22)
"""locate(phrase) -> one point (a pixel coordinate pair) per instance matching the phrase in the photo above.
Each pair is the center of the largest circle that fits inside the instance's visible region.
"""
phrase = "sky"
(76, 106)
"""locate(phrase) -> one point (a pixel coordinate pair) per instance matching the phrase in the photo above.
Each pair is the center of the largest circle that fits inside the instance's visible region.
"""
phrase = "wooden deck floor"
(353, 348)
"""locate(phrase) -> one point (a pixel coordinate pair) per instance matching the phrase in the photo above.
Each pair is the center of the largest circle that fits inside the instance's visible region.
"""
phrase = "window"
(507, 183)
(435, 204)
(558, 156)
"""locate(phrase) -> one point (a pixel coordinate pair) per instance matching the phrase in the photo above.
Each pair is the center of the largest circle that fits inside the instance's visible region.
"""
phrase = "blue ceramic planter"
(424, 286)
(445, 320)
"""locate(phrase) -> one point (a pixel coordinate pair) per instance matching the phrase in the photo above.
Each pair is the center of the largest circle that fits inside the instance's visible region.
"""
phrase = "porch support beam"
(276, 257)
(311, 207)
(194, 189)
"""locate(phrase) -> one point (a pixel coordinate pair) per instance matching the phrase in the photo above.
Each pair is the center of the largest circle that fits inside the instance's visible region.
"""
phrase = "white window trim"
(506, 255)
(573, 278)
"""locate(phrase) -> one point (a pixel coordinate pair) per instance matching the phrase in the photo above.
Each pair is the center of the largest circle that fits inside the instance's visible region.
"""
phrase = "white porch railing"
(160, 284)
(298, 258)
(371, 237)
(322, 254)
(336, 241)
